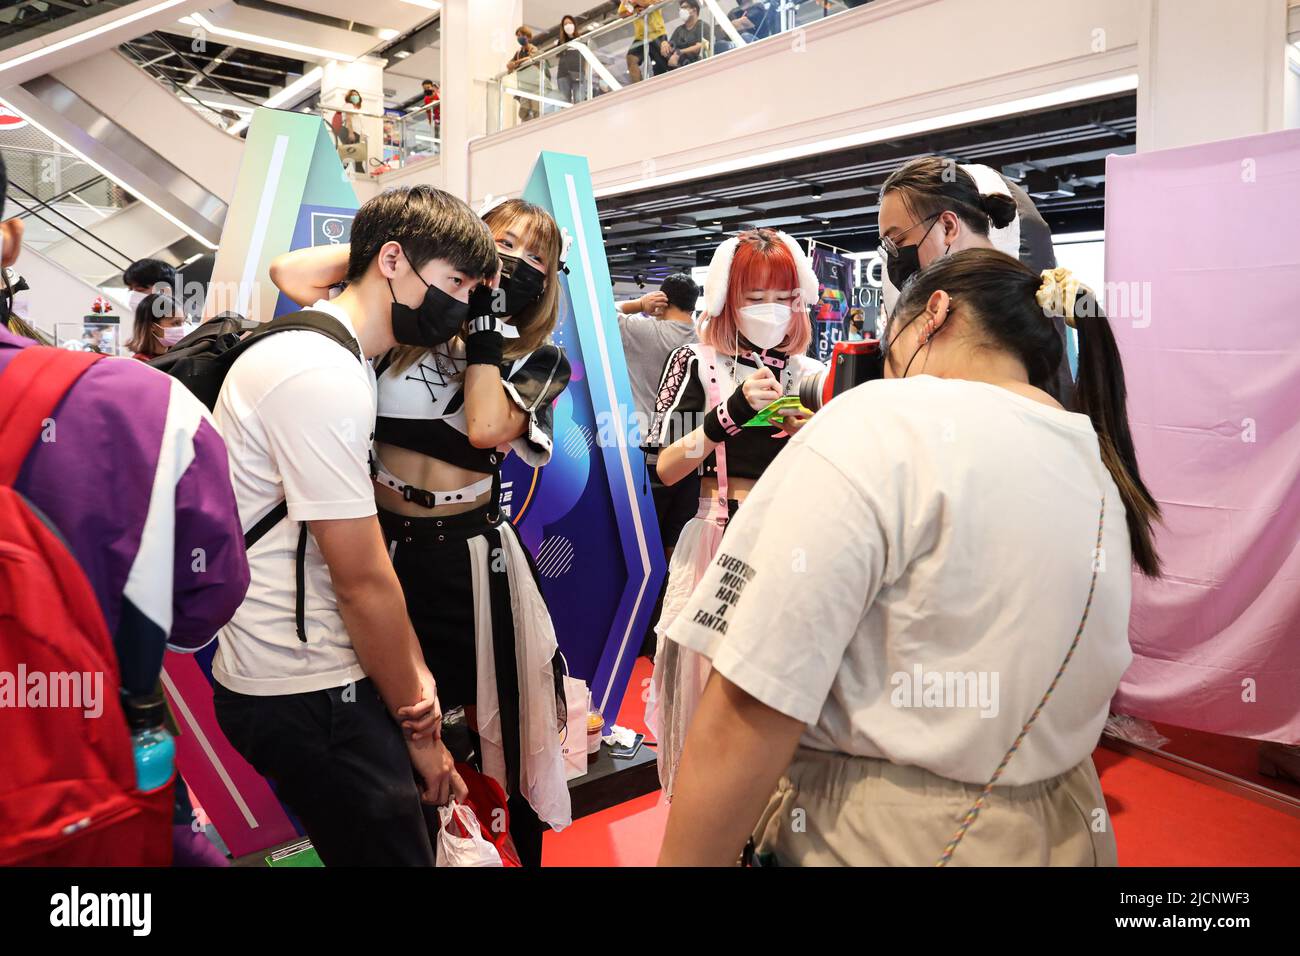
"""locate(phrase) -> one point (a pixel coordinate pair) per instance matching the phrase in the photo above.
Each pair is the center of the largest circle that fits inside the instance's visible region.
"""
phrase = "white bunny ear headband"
(719, 275)
(566, 241)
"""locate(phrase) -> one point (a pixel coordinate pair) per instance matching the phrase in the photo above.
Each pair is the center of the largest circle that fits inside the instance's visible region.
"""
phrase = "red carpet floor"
(1160, 818)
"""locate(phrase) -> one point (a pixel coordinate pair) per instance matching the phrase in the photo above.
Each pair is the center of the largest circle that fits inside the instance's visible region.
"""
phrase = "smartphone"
(627, 753)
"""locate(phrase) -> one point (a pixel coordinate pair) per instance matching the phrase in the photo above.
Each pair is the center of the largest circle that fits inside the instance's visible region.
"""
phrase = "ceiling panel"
(389, 14)
(275, 26)
(833, 197)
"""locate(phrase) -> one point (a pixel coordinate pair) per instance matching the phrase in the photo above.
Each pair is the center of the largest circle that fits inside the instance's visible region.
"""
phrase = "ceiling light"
(196, 19)
(64, 44)
(401, 54)
(386, 34)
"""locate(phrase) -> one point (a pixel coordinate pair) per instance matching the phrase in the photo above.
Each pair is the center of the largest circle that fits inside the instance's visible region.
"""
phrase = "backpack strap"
(31, 388)
(268, 521)
(308, 320)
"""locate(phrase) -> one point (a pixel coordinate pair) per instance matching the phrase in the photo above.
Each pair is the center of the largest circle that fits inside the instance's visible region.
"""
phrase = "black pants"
(341, 766)
(432, 559)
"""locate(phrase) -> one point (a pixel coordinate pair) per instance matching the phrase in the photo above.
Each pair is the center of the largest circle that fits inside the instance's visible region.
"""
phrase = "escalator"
(114, 166)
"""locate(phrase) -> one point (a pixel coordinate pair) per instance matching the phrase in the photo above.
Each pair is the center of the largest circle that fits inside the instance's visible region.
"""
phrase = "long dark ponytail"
(1101, 393)
(999, 294)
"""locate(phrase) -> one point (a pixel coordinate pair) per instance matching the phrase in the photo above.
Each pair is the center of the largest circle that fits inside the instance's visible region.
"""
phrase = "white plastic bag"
(469, 850)
(574, 744)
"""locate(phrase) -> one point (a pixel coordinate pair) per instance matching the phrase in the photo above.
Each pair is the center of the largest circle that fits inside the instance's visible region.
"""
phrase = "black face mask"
(523, 285)
(907, 262)
(438, 318)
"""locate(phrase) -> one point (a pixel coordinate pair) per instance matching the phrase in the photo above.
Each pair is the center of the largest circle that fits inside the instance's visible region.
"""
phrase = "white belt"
(429, 499)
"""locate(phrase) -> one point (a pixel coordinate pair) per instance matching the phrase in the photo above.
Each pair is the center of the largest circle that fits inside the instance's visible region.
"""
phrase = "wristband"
(725, 421)
(484, 345)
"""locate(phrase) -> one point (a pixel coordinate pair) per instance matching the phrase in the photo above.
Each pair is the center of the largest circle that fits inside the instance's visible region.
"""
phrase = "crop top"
(422, 408)
(684, 399)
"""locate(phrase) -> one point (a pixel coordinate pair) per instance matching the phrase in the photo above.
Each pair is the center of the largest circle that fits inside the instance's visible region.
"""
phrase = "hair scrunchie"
(1057, 292)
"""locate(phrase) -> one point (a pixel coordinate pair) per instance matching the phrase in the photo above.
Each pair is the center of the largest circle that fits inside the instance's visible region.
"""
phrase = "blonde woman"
(448, 416)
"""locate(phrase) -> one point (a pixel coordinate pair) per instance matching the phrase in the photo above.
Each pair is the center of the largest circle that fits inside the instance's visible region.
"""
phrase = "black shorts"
(657, 58)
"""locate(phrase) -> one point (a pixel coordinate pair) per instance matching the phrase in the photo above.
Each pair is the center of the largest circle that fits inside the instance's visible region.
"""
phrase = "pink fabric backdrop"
(1205, 241)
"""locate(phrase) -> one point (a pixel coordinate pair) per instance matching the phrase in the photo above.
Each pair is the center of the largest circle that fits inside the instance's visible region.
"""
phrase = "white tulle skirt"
(680, 673)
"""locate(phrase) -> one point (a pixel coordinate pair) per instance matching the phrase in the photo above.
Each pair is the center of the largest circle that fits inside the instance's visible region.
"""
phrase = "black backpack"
(202, 360)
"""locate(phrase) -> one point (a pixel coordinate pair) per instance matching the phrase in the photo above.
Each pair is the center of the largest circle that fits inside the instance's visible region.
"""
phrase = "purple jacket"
(137, 482)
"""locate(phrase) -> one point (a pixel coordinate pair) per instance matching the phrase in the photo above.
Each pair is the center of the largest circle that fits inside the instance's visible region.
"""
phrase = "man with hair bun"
(934, 206)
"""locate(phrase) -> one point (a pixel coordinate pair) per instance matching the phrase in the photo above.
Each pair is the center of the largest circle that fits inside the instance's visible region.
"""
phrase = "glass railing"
(413, 136)
(373, 143)
(32, 19)
(635, 48)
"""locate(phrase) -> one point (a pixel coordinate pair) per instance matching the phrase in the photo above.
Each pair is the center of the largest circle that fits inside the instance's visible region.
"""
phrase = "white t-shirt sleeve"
(801, 561)
(318, 425)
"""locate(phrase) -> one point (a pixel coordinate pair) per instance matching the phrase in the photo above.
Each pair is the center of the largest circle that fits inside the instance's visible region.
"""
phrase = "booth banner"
(834, 294)
(588, 516)
(1202, 268)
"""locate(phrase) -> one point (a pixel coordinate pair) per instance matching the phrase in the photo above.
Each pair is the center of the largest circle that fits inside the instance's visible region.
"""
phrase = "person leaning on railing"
(527, 49)
(569, 63)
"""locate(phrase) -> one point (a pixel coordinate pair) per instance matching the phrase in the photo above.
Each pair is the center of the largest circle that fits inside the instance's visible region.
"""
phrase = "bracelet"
(485, 323)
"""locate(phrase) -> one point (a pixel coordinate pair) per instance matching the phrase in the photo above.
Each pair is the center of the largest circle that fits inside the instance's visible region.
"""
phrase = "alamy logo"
(946, 689)
(134, 910)
(83, 690)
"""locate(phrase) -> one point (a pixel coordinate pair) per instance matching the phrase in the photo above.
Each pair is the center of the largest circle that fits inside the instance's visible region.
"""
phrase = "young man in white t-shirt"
(312, 698)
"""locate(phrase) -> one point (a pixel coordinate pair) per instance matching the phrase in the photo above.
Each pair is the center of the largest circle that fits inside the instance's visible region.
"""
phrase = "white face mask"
(569, 28)
(764, 323)
(134, 299)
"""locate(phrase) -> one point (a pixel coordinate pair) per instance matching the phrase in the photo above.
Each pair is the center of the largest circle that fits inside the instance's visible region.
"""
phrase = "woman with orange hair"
(755, 330)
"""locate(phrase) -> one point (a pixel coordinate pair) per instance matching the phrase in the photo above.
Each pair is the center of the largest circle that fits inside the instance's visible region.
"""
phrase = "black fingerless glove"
(725, 421)
(484, 343)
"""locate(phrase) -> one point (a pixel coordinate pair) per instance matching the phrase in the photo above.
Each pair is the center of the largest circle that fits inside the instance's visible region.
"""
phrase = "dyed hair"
(534, 227)
(997, 294)
(762, 261)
